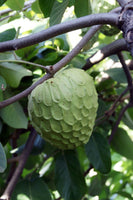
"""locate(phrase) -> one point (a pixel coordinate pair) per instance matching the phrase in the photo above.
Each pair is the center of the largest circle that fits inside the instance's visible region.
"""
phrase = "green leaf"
(122, 143)
(109, 30)
(125, 194)
(98, 152)
(3, 163)
(6, 56)
(48, 57)
(128, 118)
(15, 4)
(35, 189)
(57, 11)
(69, 178)
(71, 3)
(2, 84)
(36, 8)
(46, 7)
(38, 146)
(14, 17)
(14, 116)
(102, 108)
(82, 8)
(95, 187)
(2, 2)
(84, 162)
(59, 42)
(117, 74)
(27, 53)
(13, 73)
(78, 61)
(106, 85)
(7, 35)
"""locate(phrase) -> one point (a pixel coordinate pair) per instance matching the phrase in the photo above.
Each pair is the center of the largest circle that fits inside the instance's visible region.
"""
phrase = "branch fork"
(125, 23)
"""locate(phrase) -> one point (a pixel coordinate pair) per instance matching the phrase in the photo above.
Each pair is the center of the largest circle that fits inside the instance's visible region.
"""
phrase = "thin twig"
(128, 75)
(14, 156)
(77, 48)
(88, 170)
(25, 92)
(123, 2)
(109, 112)
(26, 6)
(118, 121)
(27, 3)
(113, 107)
(108, 50)
(3, 12)
(24, 156)
(14, 159)
(6, 17)
(24, 62)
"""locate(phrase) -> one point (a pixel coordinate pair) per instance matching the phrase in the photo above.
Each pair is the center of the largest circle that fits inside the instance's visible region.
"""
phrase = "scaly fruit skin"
(63, 108)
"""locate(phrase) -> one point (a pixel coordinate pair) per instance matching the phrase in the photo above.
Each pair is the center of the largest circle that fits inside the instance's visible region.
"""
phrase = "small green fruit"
(63, 108)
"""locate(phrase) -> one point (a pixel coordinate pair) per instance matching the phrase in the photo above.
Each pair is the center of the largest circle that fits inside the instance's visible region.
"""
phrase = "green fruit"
(63, 108)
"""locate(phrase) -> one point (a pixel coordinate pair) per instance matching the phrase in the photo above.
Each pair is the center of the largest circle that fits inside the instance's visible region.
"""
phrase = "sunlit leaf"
(13, 73)
(57, 11)
(36, 8)
(46, 7)
(82, 8)
(14, 116)
(15, 4)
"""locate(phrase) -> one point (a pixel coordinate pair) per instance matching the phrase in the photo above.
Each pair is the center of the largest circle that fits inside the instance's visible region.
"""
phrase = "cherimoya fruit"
(63, 108)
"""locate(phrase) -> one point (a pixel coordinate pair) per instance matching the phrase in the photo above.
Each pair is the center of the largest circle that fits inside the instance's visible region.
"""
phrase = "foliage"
(101, 169)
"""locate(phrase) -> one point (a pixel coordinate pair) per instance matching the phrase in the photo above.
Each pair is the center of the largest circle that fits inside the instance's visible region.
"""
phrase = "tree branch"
(128, 75)
(108, 50)
(53, 69)
(122, 2)
(125, 23)
(102, 18)
(24, 156)
(27, 5)
(115, 104)
(118, 121)
(25, 92)
(6, 11)
(112, 109)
